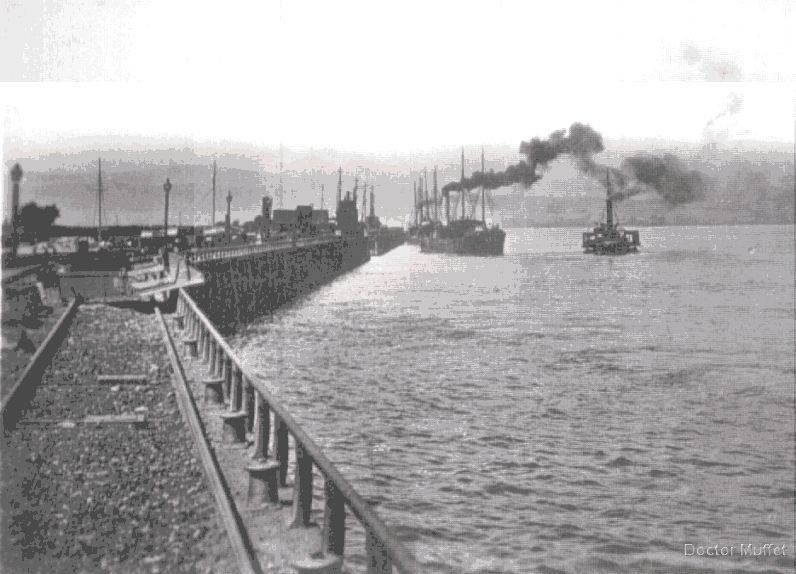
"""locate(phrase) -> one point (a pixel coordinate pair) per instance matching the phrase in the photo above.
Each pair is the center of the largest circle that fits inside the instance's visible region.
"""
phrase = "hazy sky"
(395, 75)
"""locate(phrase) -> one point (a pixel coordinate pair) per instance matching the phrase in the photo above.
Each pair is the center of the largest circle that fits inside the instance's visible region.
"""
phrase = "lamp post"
(227, 220)
(166, 189)
(16, 176)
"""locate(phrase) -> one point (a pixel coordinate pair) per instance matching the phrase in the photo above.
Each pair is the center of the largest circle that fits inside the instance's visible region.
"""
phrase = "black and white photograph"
(442, 287)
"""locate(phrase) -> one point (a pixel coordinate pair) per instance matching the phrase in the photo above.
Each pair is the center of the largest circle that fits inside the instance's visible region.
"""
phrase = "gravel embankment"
(84, 497)
(16, 357)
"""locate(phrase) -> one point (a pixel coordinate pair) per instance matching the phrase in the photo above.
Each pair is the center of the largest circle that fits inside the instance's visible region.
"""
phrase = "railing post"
(226, 374)
(206, 346)
(262, 427)
(379, 561)
(235, 398)
(248, 404)
(281, 448)
(211, 369)
(201, 341)
(219, 372)
(302, 488)
(333, 520)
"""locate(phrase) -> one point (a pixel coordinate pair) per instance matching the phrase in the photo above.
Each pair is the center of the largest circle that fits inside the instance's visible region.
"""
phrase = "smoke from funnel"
(667, 176)
(664, 175)
(581, 143)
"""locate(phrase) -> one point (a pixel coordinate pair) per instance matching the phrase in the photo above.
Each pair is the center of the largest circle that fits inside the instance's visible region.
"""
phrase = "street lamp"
(16, 176)
(166, 189)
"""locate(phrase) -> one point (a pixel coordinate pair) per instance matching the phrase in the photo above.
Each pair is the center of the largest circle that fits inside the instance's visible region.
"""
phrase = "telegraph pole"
(227, 220)
(99, 202)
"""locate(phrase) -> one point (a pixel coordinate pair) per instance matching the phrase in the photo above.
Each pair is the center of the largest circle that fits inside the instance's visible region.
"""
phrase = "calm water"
(549, 411)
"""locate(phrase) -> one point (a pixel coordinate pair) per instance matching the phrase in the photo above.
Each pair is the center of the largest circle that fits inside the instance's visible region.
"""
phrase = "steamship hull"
(489, 242)
(604, 240)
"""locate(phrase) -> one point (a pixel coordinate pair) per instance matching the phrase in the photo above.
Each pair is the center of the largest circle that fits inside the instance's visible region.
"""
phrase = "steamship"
(608, 238)
(465, 236)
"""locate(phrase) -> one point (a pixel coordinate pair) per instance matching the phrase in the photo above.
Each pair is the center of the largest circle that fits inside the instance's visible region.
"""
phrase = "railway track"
(118, 456)
(99, 472)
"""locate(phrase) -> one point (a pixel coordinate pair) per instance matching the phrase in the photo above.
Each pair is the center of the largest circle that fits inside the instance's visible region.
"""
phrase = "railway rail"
(111, 462)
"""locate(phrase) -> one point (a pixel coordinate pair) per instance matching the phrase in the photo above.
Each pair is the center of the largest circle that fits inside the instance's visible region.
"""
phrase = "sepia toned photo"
(410, 287)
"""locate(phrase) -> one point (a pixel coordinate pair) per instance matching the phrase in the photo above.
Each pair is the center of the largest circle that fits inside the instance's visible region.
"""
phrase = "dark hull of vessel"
(385, 239)
(485, 243)
(604, 240)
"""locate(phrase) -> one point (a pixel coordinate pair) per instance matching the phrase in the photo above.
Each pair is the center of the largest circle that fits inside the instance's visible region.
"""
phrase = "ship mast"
(425, 186)
(339, 186)
(364, 200)
(609, 205)
(321, 196)
(436, 213)
(483, 178)
(99, 202)
(461, 188)
(213, 213)
(414, 195)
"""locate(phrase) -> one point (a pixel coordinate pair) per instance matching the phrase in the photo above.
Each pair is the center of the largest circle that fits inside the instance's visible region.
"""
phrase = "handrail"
(199, 254)
(383, 548)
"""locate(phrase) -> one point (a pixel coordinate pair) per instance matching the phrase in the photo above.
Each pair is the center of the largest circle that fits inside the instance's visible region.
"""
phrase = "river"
(550, 411)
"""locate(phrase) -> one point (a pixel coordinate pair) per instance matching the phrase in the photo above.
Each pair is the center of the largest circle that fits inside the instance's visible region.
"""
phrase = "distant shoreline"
(651, 225)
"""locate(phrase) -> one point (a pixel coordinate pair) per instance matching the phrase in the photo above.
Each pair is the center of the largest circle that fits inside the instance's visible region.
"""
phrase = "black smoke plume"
(664, 175)
(581, 143)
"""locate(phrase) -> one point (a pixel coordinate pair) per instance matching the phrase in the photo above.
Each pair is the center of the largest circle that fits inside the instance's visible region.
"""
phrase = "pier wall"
(237, 289)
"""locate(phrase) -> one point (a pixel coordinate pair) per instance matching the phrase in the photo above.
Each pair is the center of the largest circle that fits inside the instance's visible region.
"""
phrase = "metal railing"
(248, 396)
(200, 254)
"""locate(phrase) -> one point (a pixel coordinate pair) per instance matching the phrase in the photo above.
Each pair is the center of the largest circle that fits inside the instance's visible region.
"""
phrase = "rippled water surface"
(550, 411)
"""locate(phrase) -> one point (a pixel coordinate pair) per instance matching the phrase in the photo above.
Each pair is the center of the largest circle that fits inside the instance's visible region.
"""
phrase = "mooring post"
(302, 488)
(333, 520)
(263, 482)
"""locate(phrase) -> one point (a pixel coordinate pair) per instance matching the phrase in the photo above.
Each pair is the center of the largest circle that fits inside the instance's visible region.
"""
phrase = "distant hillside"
(748, 186)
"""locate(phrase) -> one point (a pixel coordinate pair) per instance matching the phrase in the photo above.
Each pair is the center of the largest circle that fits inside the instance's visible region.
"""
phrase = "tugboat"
(465, 236)
(608, 238)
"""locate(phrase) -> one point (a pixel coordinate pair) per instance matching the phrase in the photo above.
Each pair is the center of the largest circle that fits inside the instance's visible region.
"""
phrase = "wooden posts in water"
(250, 406)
